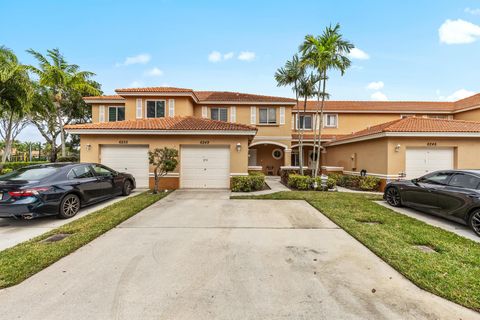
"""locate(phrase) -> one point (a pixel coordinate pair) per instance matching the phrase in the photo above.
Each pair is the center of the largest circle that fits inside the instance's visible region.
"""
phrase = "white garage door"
(130, 159)
(205, 167)
(420, 161)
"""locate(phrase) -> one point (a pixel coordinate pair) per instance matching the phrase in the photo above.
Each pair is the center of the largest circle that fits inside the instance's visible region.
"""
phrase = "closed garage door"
(131, 159)
(420, 161)
(205, 167)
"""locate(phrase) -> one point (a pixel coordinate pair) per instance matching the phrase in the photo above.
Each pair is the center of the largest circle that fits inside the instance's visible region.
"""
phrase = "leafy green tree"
(62, 81)
(15, 99)
(163, 160)
(328, 51)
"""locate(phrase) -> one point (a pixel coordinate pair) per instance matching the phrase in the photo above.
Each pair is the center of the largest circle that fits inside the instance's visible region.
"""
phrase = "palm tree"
(15, 98)
(323, 53)
(61, 78)
(306, 90)
(291, 75)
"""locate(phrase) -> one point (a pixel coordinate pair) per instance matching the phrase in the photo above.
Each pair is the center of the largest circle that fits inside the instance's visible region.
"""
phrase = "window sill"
(267, 125)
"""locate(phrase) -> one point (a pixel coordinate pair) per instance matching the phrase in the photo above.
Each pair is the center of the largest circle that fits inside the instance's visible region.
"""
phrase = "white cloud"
(379, 96)
(228, 56)
(457, 95)
(154, 72)
(475, 12)
(375, 85)
(458, 31)
(359, 54)
(136, 84)
(138, 59)
(215, 56)
(246, 56)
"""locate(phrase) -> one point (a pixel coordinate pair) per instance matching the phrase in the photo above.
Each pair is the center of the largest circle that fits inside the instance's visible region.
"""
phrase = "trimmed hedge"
(252, 182)
(367, 183)
(285, 173)
(299, 182)
(68, 159)
(10, 166)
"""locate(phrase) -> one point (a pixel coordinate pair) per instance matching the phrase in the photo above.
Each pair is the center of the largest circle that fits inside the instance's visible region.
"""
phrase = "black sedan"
(59, 189)
(453, 194)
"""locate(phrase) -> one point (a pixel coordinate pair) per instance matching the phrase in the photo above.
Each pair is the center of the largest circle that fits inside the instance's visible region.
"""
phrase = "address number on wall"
(431, 144)
(123, 141)
(204, 142)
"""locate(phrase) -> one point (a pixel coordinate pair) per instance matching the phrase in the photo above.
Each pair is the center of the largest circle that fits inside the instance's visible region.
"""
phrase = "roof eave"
(162, 132)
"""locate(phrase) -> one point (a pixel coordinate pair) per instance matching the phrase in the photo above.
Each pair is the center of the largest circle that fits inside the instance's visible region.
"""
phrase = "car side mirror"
(415, 181)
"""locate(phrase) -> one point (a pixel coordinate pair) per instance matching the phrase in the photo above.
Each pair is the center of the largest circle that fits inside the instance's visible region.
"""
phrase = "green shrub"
(17, 165)
(369, 183)
(331, 183)
(5, 171)
(68, 159)
(252, 182)
(299, 182)
(285, 173)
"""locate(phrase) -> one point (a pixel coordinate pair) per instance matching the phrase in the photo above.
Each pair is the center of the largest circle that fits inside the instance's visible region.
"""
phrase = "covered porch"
(268, 157)
(309, 158)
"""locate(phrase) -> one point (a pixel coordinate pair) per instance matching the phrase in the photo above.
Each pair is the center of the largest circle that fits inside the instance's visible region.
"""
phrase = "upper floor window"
(268, 116)
(155, 108)
(219, 114)
(404, 116)
(439, 116)
(304, 122)
(116, 113)
(331, 121)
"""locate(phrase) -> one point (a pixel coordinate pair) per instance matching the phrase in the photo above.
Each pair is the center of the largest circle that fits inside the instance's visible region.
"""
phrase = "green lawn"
(27, 258)
(453, 272)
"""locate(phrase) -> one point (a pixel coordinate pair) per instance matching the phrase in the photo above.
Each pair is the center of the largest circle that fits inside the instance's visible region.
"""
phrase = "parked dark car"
(453, 194)
(59, 189)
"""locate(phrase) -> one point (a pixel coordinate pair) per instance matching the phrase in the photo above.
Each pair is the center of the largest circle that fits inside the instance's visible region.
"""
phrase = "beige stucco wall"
(371, 155)
(96, 108)
(238, 160)
(183, 105)
(466, 151)
(471, 115)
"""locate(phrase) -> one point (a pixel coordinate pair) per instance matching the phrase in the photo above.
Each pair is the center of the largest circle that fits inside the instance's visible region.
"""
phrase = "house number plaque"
(123, 141)
(431, 144)
(204, 142)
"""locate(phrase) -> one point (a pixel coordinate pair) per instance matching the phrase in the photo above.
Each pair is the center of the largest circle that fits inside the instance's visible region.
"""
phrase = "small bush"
(6, 170)
(299, 182)
(331, 183)
(285, 173)
(252, 182)
(369, 183)
(68, 159)
(17, 165)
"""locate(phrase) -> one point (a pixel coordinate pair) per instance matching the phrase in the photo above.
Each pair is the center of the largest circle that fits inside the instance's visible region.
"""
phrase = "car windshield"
(29, 173)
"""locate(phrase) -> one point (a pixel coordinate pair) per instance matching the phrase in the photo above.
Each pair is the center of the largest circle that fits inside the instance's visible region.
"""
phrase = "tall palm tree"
(323, 53)
(60, 78)
(15, 98)
(306, 89)
(291, 75)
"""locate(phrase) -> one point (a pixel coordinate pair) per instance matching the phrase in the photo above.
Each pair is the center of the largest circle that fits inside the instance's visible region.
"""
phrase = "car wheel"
(474, 222)
(69, 206)
(127, 188)
(393, 197)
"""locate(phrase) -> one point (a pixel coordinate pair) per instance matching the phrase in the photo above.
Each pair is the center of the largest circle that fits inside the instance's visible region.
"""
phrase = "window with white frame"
(268, 115)
(330, 121)
(404, 116)
(438, 116)
(155, 108)
(304, 122)
(116, 114)
(219, 114)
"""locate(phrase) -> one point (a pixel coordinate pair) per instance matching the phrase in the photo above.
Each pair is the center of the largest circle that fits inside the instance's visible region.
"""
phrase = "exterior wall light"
(239, 147)
(88, 146)
(397, 148)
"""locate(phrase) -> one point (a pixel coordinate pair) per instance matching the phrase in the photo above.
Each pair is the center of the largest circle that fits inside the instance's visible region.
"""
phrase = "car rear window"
(29, 173)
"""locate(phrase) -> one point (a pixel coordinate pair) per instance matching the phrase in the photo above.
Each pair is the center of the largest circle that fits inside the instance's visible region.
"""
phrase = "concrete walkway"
(200, 255)
(342, 189)
(13, 232)
(460, 229)
(272, 181)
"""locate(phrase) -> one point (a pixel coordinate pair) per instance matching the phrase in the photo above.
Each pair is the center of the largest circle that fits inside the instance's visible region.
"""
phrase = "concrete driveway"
(12, 231)
(199, 255)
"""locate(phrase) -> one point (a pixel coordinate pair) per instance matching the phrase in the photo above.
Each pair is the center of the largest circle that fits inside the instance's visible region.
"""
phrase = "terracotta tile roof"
(107, 97)
(378, 106)
(174, 123)
(295, 136)
(468, 102)
(414, 124)
(238, 97)
(154, 89)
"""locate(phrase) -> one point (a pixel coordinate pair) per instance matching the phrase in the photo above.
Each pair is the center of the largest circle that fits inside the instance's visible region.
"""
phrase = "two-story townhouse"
(212, 130)
(223, 134)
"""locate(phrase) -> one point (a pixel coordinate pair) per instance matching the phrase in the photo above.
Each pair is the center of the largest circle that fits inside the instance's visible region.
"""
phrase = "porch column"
(287, 157)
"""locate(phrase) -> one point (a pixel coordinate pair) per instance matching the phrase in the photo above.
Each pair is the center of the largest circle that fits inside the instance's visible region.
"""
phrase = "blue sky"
(412, 50)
